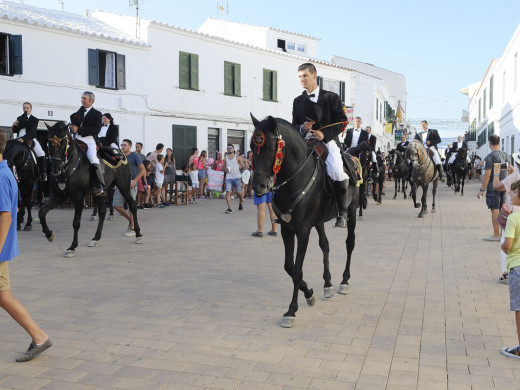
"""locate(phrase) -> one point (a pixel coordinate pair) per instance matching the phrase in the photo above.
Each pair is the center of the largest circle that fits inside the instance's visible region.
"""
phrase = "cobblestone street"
(199, 303)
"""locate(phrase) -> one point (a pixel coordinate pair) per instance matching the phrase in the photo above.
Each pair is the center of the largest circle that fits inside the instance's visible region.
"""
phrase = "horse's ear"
(47, 125)
(255, 121)
(272, 122)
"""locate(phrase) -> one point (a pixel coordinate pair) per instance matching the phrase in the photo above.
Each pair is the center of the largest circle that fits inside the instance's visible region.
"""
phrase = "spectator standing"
(8, 250)
(261, 202)
(169, 175)
(194, 177)
(218, 163)
(139, 150)
(137, 172)
(153, 157)
(232, 164)
(202, 174)
(194, 157)
(494, 198)
(159, 181)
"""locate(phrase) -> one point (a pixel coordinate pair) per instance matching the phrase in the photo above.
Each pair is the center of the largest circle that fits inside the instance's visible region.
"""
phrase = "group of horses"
(69, 178)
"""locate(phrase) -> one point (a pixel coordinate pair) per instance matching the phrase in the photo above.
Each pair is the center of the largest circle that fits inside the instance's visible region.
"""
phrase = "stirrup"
(99, 191)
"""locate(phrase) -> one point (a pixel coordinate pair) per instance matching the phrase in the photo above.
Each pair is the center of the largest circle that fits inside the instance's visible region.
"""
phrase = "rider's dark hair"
(159, 146)
(128, 141)
(109, 117)
(494, 139)
(2, 142)
(30, 105)
(139, 143)
(307, 66)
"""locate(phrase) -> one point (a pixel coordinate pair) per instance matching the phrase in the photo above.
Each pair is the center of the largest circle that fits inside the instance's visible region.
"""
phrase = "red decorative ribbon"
(280, 144)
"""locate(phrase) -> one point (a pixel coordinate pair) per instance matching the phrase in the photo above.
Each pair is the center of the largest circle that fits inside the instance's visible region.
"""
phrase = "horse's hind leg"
(350, 244)
(42, 214)
(76, 223)
(295, 270)
(110, 196)
(396, 185)
(328, 289)
(27, 204)
(94, 216)
(434, 191)
(102, 209)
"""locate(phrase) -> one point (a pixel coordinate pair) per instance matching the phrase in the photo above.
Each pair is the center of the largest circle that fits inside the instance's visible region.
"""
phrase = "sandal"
(504, 278)
(257, 234)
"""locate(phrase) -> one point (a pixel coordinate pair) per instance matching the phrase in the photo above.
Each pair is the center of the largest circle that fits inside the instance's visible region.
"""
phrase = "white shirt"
(355, 137)
(459, 145)
(103, 131)
(159, 177)
(424, 136)
(316, 93)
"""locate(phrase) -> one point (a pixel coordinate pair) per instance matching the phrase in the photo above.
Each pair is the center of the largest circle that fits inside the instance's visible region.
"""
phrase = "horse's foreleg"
(297, 277)
(76, 223)
(350, 243)
(424, 208)
(434, 191)
(396, 185)
(102, 210)
(42, 214)
(27, 204)
(328, 289)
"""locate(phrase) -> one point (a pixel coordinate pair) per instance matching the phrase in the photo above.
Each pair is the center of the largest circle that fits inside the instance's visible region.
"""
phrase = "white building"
(494, 102)
(171, 85)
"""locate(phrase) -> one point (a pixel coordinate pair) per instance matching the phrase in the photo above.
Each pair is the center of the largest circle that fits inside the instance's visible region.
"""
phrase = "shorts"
(202, 174)
(195, 185)
(119, 200)
(158, 185)
(514, 289)
(237, 183)
(495, 199)
(265, 198)
(140, 185)
(4, 276)
(169, 179)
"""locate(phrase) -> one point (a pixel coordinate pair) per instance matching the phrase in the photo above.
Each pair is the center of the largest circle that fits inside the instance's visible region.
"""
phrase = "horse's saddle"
(351, 164)
(110, 156)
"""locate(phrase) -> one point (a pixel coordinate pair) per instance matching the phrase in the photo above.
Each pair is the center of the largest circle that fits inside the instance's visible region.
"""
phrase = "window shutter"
(267, 84)
(93, 67)
(319, 79)
(237, 80)
(15, 46)
(228, 78)
(184, 70)
(194, 71)
(275, 85)
(342, 91)
(121, 72)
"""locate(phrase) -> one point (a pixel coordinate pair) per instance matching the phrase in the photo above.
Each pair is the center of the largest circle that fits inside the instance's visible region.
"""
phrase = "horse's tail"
(12, 149)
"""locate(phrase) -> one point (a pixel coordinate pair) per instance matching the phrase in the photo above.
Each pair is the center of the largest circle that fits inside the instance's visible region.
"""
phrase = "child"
(147, 180)
(511, 246)
(8, 250)
(186, 177)
(194, 175)
(159, 180)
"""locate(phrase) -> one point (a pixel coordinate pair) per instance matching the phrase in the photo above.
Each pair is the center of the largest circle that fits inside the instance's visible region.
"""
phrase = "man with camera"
(494, 198)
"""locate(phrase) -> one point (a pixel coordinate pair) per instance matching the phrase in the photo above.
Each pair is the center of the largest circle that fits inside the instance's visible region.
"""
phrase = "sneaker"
(513, 352)
(240, 207)
(140, 206)
(272, 234)
(202, 197)
(492, 238)
(257, 234)
(161, 206)
(34, 350)
(229, 211)
(232, 197)
(129, 233)
(165, 204)
(148, 206)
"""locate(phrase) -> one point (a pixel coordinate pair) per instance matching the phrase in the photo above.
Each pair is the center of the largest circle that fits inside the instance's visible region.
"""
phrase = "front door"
(184, 138)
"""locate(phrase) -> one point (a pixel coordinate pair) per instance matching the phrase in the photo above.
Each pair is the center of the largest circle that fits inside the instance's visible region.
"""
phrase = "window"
(270, 85)
(291, 46)
(504, 87)
(188, 71)
(491, 129)
(106, 69)
(484, 106)
(491, 85)
(381, 112)
(10, 54)
(231, 79)
(479, 110)
(377, 109)
(301, 48)
(336, 86)
(515, 72)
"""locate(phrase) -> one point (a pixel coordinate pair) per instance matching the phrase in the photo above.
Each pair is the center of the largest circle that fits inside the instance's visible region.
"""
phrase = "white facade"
(151, 103)
(494, 105)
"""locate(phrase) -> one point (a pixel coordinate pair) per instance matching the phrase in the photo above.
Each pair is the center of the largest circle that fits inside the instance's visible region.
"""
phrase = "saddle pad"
(353, 169)
(111, 157)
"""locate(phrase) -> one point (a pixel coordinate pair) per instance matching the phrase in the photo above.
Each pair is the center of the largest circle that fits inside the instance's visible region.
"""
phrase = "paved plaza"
(199, 303)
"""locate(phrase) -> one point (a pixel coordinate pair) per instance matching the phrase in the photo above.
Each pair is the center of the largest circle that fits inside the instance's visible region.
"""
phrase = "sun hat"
(516, 157)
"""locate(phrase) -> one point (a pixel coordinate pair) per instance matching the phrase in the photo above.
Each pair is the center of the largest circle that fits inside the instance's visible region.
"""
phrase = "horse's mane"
(287, 129)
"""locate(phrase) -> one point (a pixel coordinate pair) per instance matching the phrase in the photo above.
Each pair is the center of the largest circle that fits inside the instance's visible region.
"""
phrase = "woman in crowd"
(505, 185)
(109, 133)
(169, 175)
(202, 167)
(217, 164)
(194, 157)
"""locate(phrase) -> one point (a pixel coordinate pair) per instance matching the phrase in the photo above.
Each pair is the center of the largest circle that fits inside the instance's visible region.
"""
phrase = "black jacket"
(372, 140)
(350, 133)
(433, 137)
(326, 111)
(89, 124)
(112, 136)
(401, 146)
(30, 125)
(454, 148)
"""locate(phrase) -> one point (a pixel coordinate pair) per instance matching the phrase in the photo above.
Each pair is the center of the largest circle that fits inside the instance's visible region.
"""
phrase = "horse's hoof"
(139, 240)
(287, 322)
(70, 253)
(312, 300)
(394, 197)
(52, 237)
(344, 289)
(420, 216)
(93, 243)
(27, 228)
(360, 218)
(328, 292)
(110, 218)
(425, 211)
(93, 218)
(18, 227)
(379, 203)
(434, 211)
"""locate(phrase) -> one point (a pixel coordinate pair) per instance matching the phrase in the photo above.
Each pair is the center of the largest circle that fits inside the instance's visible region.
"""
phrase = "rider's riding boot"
(340, 193)
(442, 175)
(42, 168)
(100, 187)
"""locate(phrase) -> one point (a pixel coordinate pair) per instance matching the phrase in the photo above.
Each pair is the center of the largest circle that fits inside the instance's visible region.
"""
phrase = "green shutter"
(491, 92)
(267, 84)
(93, 67)
(237, 80)
(342, 92)
(121, 71)
(15, 45)
(184, 70)
(194, 71)
(228, 78)
(275, 85)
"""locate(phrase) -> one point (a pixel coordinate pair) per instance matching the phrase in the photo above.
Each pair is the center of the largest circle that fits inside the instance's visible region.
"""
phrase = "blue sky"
(440, 46)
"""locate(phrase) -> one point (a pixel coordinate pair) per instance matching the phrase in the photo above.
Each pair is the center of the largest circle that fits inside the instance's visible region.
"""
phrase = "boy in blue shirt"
(9, 250)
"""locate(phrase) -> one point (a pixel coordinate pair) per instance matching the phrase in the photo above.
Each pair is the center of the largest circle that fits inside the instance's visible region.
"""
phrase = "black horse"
(70, 177)
(461, 168)
(362, 152)
(22, 162)
(303, 199)
(400, 172)
(379, 179)
(110, 198)
(423, 173)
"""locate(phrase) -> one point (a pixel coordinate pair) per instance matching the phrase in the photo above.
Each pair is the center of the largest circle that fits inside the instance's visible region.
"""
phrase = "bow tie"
(357, 130)
(312, 95)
